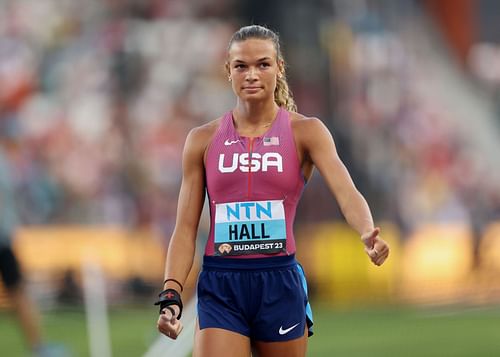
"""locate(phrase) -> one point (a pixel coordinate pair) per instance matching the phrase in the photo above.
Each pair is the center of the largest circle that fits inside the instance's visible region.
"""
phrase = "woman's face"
(253, 68)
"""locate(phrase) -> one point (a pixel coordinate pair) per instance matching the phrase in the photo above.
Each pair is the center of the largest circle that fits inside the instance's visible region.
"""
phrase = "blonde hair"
(282, 93)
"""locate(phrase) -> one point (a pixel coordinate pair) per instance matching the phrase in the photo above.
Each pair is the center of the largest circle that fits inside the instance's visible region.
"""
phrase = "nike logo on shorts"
(285, 331)
(230, 142)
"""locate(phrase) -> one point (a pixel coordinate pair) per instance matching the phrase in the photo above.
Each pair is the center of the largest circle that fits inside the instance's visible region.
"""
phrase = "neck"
(255, 114)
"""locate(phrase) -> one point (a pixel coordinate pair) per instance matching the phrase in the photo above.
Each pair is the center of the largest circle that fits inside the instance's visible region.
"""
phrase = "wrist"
(172, 299)
(366, 234)
(367, 229)
(174, 284)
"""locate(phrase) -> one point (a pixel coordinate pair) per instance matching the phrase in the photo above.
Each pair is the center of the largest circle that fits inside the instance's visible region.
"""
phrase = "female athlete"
(253, 163)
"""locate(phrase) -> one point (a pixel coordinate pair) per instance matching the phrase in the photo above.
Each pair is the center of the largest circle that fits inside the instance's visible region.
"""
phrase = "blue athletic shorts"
(262, 298)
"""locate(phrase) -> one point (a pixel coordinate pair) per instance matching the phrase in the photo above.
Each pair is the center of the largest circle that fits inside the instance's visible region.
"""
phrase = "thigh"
(217, 342)
(291, 348)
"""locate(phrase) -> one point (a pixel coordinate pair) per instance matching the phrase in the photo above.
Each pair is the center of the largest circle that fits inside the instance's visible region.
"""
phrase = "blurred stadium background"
(96, 98)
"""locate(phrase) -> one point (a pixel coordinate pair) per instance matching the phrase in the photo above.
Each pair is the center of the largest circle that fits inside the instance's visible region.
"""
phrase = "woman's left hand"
(375, 247)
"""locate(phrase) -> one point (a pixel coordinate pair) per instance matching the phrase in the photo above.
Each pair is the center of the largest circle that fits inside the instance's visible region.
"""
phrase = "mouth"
(251, 89)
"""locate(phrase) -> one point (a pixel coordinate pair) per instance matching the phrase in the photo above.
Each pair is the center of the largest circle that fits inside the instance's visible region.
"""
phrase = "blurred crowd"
(96, 99)
(422, 167)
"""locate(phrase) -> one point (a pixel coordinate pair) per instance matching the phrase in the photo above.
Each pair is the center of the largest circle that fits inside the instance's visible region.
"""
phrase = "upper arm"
(192, 192)
(318, 146)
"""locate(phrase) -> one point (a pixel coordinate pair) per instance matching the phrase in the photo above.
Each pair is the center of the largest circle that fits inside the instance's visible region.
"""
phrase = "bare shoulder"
(304, 127)
(205, 131)
(200, 136)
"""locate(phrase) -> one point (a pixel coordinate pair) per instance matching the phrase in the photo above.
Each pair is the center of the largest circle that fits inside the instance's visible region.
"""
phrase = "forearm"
(179, 261)
(357, 212)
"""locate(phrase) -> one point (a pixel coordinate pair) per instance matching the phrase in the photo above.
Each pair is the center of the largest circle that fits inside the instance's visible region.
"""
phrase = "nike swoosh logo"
(284, 332)
(230, 142)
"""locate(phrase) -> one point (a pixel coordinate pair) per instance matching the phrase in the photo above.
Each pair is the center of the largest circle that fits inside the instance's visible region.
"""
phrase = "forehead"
(251, 49)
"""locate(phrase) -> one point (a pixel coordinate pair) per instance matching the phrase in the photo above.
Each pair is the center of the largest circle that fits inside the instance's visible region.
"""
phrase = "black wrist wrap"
(170, 297)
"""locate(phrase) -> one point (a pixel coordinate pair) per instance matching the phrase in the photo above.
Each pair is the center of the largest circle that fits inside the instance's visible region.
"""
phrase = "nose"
(251, 74)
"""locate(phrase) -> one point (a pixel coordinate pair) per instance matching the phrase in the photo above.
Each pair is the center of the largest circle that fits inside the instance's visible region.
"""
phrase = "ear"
(281, 67)
(227, 68)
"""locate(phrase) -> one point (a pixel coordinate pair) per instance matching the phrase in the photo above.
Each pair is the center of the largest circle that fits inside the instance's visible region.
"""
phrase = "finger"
(171, 334)
(166, 318)
(168, 313)
(177, 325)
(374, 233)
(380, 244)
(372, 253)
(179, 329)
(368, 238)
(175, 332)
(168, 331)
(381, 250)
(169, 328)
(165, 325)
(377, 257)
(164, 330)
(381, 259)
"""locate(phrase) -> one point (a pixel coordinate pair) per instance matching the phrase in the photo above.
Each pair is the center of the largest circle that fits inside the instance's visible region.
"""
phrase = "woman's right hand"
(168, 323)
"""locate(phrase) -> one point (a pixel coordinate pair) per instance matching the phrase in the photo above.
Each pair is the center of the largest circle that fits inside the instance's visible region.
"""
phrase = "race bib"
(255, 227)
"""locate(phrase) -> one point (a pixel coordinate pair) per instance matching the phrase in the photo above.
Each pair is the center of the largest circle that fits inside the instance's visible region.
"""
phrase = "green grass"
(407, 332)
(132, 330)
(451, 331)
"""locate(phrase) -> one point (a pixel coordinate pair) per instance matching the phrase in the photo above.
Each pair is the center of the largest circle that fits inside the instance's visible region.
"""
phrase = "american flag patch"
(273, 140)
